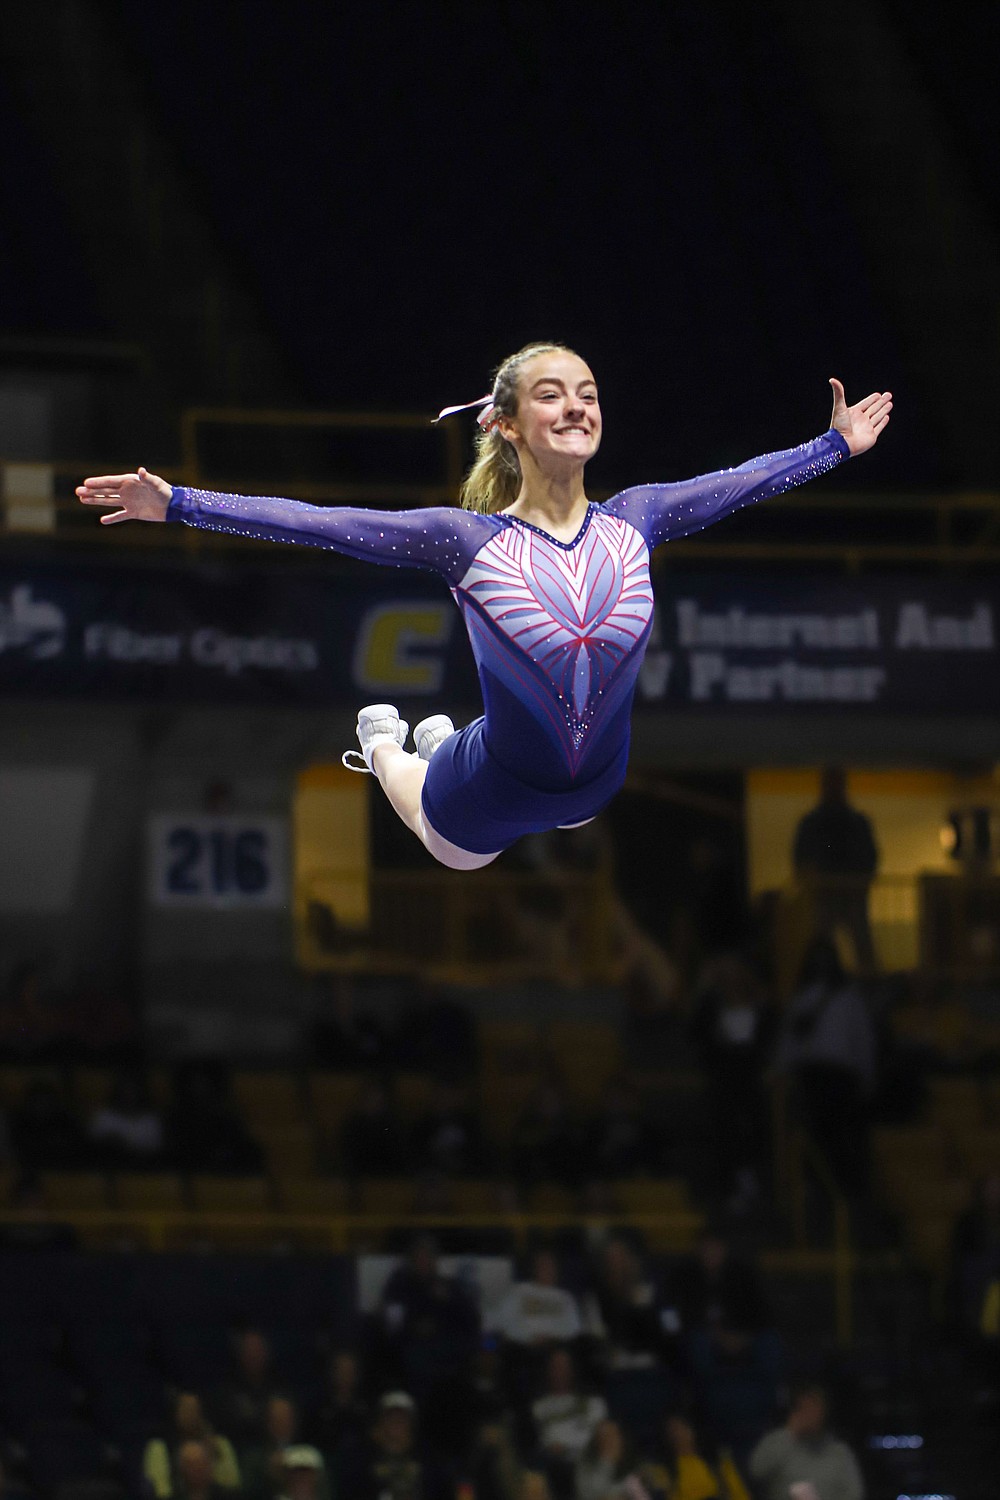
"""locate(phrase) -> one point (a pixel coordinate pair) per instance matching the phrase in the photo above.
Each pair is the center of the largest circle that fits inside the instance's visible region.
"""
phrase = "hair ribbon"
(487, 418)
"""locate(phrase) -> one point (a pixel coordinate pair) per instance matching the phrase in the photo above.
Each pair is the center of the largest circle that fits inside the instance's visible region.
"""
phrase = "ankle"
(383, 754)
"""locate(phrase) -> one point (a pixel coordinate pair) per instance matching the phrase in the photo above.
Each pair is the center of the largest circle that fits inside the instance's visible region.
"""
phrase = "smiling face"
(558, 419)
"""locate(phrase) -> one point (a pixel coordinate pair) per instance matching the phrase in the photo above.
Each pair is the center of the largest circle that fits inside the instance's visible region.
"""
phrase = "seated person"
(623, 1312)
(241, 1402)
(536, 1315)
(262, 1463)
(303, 1474)
(344, 1414)
(127, 1132)
(204, 1132)
(565, 1416)
(392, 1465)
(188, 1428)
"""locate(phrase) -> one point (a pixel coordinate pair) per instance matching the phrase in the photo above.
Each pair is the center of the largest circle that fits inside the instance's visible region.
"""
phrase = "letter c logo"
(395, 648)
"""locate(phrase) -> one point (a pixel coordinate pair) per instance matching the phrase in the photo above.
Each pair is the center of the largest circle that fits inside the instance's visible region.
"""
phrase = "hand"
(860, 425)
(142, 496)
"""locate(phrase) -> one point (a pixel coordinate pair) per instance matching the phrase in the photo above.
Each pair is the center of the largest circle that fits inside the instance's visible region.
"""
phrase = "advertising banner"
(234, 633)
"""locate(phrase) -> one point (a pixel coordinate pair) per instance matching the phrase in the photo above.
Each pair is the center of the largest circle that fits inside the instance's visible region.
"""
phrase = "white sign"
(221, 862)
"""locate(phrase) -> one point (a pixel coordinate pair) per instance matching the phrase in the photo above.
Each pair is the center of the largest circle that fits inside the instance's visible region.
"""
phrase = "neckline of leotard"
(566, 546)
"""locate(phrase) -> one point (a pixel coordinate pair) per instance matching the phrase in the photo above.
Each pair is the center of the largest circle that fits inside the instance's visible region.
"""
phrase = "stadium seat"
(76, 1190)
(551, 1198)
(332, 1096)
(267, 1098)
(387, 1195)
(956, 1102)
(289, 1150)
(91, 1087)
(510, 1047)
(412, 1093)
(649, 1195)
(978, 1151)
(474, 1195)
(149, 1190)
(231, 1195)
(312, 1195)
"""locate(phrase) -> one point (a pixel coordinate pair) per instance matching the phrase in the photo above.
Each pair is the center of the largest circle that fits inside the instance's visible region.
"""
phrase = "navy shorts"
(470, 800)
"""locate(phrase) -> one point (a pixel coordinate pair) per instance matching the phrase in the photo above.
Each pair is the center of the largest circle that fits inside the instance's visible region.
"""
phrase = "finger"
(870, 401)
(109, 481)
(118, 515)
(100, 499)
(838, 389)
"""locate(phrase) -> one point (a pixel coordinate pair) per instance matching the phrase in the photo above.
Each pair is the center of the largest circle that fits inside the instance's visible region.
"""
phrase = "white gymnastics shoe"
(430, 733)
(378, 724)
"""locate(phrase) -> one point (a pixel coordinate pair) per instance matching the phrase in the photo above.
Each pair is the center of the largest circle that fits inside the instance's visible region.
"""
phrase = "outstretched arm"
(665, 511)
(442, 538)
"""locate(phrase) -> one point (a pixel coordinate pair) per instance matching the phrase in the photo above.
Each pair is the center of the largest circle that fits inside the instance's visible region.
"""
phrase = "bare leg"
(401, 777)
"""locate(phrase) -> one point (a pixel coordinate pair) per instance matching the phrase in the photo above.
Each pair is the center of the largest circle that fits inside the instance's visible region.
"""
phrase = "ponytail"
(494, 480)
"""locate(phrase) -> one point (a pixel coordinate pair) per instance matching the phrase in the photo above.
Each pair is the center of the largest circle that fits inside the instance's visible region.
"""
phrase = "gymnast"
(554, 590)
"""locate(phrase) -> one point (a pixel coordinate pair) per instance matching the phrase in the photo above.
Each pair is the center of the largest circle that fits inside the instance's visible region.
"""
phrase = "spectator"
(195, 1468)
(605, 1466)
(566, 1419)
(803, 1459)
(828, 1043)
(127, 1132)
(622, 1142)
(203, 1130)
(738, 1375)
(372, 1140)
(45, 1133)
(344, 1416)
(733, 1031)
(241, 1402)
(493, 1463)
(447, 1139)
(716, 1288)
(975, 1283)
(543, 1143)
(430, 1327)
(537, 1312)
(393, 1466)
(342, 1038)
(262, 1463)
(189, 1428)
(835, 853)
(680, 1469)
(623, 1310)
(303, 1474)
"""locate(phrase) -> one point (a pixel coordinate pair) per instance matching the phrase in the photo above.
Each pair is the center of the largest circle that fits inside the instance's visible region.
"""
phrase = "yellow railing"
(501, 926)
(961, 528)
(162, 1230)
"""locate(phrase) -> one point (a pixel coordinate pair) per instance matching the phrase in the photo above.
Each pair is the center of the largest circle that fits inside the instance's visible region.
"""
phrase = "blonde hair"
(494, 479)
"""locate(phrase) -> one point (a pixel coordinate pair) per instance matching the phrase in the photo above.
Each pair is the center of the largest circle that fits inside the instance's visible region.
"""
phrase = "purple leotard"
(558, 629)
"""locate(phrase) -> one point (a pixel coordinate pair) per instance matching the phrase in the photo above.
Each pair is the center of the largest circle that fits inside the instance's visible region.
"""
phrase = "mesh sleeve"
(662, 512)
(442, 539)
